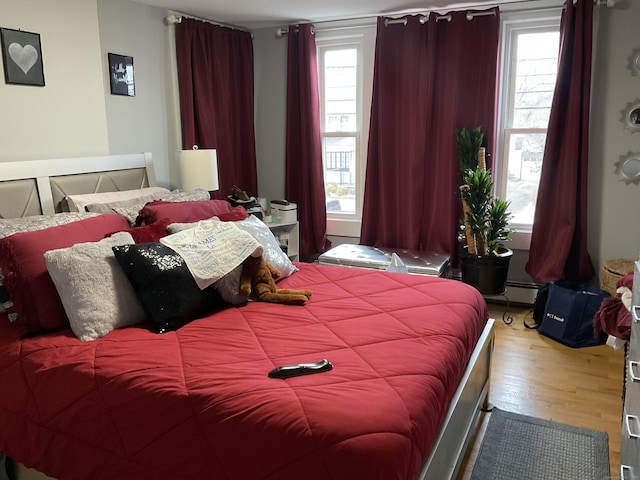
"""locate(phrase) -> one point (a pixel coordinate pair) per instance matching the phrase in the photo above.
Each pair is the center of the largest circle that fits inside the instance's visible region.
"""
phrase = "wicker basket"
(611, 271)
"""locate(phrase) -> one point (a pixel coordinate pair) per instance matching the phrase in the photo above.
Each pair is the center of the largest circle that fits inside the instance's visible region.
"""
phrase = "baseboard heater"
(517, 292)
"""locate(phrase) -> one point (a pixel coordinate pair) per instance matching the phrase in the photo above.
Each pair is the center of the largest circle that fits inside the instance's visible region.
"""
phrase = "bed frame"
(37, 187)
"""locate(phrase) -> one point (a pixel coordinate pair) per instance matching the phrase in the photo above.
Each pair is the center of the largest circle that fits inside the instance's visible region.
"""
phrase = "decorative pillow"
(148, 233)
(182, 211)
(131, 212)
(9, 226)
(76, 203)
(34, 296)
(94, 290)
(164, 286)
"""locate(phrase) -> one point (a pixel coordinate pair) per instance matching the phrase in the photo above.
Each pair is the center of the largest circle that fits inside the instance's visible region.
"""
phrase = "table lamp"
(199, 169)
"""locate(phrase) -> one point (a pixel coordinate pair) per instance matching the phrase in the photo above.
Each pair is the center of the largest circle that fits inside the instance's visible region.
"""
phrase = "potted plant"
(484, 259)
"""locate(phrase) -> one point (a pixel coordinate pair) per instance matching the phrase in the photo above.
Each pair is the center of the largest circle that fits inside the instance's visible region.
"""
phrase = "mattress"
(364, 256)
(197, 403)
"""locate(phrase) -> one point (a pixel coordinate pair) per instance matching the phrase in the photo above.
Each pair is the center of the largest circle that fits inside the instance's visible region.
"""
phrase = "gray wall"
(613, 230)
(270, 53)
(144, 122)
(614, 225)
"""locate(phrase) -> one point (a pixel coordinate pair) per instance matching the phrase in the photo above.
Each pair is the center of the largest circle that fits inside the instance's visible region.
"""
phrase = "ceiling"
(253, 14)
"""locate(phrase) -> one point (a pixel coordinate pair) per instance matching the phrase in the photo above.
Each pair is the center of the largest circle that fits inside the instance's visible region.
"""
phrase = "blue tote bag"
(568, 314)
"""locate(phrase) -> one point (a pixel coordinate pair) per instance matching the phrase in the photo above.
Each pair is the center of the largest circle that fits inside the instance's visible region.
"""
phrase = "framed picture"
(121, 75)
(22, 57)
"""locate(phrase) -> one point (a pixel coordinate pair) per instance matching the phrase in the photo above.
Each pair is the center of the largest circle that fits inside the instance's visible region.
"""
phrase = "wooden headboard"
(36, 187)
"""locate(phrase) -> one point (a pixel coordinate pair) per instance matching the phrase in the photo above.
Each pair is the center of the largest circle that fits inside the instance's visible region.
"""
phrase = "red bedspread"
(197, 403)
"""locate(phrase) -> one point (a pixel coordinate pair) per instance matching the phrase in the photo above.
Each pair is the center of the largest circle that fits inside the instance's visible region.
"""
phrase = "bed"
(411, 360)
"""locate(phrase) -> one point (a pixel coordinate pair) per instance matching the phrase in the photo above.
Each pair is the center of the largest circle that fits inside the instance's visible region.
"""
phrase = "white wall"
(75, 113)
(66, 117)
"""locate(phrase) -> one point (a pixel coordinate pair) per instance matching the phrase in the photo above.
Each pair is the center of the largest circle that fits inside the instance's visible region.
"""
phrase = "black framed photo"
(22, 57)
(121, 75)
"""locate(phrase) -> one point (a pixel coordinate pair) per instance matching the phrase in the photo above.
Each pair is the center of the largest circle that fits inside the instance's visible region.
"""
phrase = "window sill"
(344, 227)
(520, 240)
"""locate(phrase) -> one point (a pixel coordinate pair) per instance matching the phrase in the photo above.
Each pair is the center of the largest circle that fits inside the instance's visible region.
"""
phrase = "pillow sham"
(9, 226)
(164, 286)
(76, 203)
(131, 212)
(95, 292)
(182, 211)
(109, 206)
(35, 299)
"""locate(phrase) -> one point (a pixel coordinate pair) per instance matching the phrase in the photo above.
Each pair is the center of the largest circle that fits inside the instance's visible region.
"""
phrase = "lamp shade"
(199, 169)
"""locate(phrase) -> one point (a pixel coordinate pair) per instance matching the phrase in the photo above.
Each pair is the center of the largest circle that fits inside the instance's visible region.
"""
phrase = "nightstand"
(288, 235)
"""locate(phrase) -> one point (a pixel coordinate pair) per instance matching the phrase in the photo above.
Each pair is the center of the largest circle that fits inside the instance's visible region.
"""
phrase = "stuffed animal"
(258, 278)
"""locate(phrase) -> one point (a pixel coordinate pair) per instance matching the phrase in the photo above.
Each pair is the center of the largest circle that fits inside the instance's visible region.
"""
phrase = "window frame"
(514, 23)
(362, 38)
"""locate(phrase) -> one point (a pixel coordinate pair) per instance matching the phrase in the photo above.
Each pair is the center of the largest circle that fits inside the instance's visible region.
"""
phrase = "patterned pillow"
(164, 285)
(9, 226)
(77, 203)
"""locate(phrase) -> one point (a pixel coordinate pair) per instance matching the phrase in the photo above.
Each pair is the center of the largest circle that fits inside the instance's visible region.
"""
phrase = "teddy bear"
(258, 277)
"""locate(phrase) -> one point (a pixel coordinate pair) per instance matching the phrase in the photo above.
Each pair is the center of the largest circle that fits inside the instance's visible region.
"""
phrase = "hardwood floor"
(537, 376)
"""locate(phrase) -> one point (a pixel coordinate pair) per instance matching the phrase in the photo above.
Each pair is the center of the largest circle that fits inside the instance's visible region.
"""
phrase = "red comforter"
(197, 403)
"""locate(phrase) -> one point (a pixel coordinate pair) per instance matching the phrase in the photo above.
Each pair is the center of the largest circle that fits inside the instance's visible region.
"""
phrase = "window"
(529, 69)
(344, 61)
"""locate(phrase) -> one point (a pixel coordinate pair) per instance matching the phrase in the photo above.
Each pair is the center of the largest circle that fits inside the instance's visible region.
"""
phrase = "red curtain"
(559, 237)
(215, 73)
(304, 177)
(429, 80)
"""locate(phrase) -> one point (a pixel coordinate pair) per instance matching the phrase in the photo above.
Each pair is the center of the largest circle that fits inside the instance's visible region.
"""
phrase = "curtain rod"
(282, 31)
(425, 18)
(174, 18)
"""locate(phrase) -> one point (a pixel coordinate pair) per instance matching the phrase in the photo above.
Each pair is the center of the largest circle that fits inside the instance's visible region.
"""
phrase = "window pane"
(536, 70)
(339, 155)
(525, 162)
(340, 85)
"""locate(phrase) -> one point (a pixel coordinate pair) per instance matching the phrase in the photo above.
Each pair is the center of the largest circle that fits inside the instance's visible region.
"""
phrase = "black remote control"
(296, 369)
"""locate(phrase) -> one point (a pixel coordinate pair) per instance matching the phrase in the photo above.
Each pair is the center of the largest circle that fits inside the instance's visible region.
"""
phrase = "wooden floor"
(534, 375)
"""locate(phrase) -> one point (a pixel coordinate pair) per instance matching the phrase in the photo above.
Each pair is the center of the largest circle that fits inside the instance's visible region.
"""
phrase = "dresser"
(630, 444)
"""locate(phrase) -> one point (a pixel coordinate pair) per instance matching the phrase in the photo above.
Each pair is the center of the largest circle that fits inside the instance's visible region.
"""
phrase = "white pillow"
(95, 292)
(76, 203)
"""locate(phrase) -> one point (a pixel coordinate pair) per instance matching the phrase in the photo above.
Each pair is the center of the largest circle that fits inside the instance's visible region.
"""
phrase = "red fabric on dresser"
(197, 403)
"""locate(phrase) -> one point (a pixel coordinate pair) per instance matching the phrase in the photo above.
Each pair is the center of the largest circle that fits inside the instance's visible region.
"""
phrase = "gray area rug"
(526, 448)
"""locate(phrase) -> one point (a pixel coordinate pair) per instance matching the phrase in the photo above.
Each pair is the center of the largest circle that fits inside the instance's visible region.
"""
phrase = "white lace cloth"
(212, 249)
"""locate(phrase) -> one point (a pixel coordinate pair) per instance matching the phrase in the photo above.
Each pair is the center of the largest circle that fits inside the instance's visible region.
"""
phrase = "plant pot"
(487, 273)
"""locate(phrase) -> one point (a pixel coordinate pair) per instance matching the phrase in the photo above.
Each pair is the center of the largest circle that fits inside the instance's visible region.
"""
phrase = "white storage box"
(362, 256)
(286, 213)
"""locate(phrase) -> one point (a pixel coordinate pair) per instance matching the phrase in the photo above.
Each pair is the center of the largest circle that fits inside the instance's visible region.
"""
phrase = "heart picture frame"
(22, 57)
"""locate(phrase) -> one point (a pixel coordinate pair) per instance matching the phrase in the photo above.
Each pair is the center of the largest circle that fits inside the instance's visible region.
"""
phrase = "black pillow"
(164, 286)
